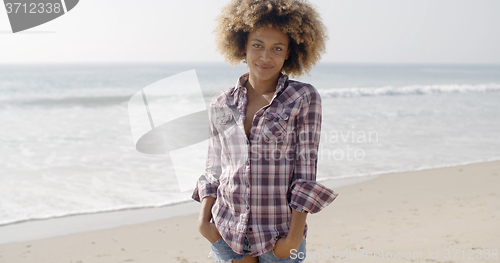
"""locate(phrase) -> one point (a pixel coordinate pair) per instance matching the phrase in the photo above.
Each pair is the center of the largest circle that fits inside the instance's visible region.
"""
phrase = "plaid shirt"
(257, 181)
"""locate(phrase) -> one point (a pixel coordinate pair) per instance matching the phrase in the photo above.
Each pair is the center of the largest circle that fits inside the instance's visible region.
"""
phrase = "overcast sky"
(361, 31)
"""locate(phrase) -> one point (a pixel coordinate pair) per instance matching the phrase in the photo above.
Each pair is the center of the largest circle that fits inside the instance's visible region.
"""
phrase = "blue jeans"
(221, 252)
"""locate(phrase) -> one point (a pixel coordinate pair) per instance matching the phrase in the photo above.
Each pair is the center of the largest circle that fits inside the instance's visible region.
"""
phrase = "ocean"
(66, 145)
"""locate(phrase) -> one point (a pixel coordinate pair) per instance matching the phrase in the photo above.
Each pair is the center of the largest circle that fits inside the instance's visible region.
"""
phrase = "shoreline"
(37, 229)
(425, 211)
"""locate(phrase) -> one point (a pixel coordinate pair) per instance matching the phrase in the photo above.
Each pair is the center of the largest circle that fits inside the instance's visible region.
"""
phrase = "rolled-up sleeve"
(208, 182)
(307, 195)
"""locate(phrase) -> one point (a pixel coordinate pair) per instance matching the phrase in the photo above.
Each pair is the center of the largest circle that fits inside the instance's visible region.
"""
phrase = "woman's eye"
(278, 49)
(256, 45)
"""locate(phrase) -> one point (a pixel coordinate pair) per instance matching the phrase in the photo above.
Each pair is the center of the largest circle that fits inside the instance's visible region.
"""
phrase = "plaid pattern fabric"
(257, 181)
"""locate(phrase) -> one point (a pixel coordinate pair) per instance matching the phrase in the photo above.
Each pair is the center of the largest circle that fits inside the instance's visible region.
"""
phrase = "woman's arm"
(206, 209)
(206, 187)
(297, 224)
(307, 196)
(294, 238)
(206, 228)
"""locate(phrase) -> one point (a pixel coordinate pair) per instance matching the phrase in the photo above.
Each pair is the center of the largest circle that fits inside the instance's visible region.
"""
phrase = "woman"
(260, 177)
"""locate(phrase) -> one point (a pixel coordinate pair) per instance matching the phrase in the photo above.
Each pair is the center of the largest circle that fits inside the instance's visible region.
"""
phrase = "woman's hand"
(208, 230)
(284, 245)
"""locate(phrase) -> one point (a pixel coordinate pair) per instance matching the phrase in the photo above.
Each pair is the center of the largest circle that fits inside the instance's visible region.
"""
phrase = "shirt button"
(250, 229)
(248, 207)
(248, 162)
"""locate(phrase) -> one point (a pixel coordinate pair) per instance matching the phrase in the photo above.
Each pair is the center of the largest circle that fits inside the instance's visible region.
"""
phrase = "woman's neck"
(262, 87)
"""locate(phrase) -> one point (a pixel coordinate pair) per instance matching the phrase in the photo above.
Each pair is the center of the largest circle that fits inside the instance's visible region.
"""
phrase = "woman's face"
(266, 52)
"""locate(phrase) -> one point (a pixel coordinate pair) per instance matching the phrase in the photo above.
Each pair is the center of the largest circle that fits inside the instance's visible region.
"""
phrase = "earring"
(244, 58)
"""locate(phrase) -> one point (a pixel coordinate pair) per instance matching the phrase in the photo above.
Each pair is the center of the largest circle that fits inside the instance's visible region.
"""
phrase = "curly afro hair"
(297, 19)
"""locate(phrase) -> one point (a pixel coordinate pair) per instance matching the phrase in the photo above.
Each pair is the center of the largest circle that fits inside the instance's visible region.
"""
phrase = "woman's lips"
(264, 68)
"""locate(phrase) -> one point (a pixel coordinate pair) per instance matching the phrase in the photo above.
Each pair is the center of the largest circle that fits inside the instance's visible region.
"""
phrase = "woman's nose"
(265, 55)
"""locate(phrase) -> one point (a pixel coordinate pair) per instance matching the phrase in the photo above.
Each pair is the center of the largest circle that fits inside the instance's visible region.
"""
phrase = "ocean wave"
(89, 101)
(409, 90)
(72, 100)
(107, 100)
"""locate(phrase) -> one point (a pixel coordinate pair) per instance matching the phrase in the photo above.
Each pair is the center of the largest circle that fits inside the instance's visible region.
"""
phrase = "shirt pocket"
(226, 125)
(225, 122)
(275, 125)
(279, 123)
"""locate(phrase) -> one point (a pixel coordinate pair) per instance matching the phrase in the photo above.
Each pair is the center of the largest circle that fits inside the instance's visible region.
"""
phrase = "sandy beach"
(447, 214)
